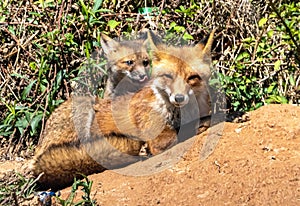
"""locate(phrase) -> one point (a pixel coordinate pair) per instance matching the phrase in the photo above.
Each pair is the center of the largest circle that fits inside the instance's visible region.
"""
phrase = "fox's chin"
(178, 104)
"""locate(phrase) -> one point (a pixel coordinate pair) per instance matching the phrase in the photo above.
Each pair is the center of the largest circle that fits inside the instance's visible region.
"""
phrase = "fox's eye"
(194, 79)
(169, 76)
(145, 63)
(129, 62)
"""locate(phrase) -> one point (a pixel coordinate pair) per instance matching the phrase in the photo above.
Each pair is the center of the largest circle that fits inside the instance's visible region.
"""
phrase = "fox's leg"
(164, 141)
(108, 93)
(83, 115)
(204, 124)
(204, 103)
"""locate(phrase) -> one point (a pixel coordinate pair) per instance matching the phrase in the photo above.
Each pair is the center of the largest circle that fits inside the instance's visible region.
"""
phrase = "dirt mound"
(255, 163)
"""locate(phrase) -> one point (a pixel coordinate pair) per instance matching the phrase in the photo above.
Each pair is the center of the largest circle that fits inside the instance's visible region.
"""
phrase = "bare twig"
(287, 29)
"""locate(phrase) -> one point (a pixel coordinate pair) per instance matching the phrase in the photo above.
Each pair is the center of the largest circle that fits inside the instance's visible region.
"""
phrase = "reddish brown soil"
(255, 163)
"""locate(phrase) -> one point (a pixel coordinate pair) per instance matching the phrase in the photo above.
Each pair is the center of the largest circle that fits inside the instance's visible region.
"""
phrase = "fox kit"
(128, 65)
(118, 127)
(128, 69)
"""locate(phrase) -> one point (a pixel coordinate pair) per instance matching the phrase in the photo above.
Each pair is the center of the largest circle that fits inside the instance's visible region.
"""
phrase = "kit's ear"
(156, 39)
(108, 44)
(149, 43)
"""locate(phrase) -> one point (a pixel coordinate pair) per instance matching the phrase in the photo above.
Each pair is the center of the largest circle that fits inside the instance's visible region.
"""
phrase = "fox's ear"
(206, 43)
(155, 38)
(210, 41)
(149, 43)
(108, 44)
(205, 46)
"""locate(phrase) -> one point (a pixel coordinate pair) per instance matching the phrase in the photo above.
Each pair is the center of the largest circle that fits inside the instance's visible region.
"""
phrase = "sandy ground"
(256, 162)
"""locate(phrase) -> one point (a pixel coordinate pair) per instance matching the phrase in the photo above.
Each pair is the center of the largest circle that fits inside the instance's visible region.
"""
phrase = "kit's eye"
(169, 76)
(145, 63)
(194, 79)
(129, 62)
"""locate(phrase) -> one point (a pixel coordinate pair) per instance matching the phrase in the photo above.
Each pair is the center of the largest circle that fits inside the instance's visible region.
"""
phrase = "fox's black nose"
(179, 98)
(143, 77)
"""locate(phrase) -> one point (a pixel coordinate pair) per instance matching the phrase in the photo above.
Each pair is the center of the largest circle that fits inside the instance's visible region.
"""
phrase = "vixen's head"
(198, 56)
(174, 79)
(127, 59)
(199, 61)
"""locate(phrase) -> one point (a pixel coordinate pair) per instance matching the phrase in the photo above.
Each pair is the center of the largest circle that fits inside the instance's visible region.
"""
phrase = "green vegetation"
(16, 189)
(264, 68)
(86, 200)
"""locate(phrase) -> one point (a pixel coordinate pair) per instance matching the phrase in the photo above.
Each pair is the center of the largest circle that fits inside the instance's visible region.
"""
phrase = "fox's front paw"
(144, 151)
(160, 145)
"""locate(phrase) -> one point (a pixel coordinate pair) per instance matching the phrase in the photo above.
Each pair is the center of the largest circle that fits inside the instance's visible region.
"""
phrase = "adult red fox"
(199, 58)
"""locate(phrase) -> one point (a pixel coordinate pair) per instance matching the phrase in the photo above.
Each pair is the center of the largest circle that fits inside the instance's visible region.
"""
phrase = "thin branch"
(287, 29)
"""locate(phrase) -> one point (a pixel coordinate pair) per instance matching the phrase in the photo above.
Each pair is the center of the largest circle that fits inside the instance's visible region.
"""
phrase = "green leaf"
(97, 5)
(5, 134)
(106, 10)
(179, 29)
(248, 40)
(259, 104)
(277, 65)
(187, 36)
(43, 84)
(2, 18)
(35, 122)
(242, 56)
(21, 124)
(84, 7)
(282, 100)
(19, 76)
(273, 15)
(276, 99)
(172, 25)
(130, 19)
(32, 65)
(271, 88)
(270, 33)
(292, 80)
(58, 79)
(242, 87)
(182, 8)
(236, 104)
(262, 22)
(27, 89)
(113, 24)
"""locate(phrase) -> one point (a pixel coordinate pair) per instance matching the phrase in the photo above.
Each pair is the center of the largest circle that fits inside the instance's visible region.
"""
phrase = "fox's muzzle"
(143, 78)
(179, 100)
